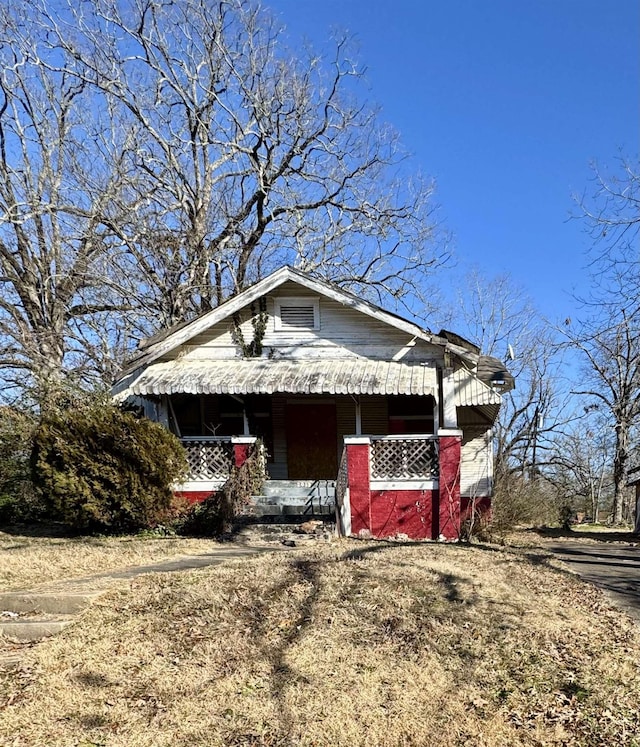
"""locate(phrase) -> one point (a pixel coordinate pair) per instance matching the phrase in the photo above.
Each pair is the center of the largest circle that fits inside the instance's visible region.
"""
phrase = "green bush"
(100, 468)
(17, 500)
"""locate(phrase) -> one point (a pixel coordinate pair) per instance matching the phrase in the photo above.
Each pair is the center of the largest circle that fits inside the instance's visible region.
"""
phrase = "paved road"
(613, 567)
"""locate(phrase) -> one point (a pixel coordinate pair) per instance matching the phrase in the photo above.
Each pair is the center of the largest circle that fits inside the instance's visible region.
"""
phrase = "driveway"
(612, 567)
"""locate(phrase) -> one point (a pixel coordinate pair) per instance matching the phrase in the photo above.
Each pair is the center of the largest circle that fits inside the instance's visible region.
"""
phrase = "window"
(297, 314)
(411, 414)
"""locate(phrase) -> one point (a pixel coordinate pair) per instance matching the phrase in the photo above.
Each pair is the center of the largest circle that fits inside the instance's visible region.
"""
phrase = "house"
(356, 406)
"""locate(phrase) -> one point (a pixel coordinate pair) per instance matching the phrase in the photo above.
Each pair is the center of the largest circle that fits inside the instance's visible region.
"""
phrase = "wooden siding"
(343, 332)
(476, 470)
(278, 468)
(346, 417)
(375, 416)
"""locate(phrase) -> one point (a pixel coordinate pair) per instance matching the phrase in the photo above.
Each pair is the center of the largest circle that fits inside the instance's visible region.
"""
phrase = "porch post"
(449, 446)
(358, 477)
(450, 419)
(242, 448)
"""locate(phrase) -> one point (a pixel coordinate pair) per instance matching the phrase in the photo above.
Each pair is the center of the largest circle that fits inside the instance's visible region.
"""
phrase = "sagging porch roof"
(264, 376)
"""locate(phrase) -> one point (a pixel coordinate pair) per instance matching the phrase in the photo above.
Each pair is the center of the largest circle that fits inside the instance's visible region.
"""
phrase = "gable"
(169, 341)
(297, 323)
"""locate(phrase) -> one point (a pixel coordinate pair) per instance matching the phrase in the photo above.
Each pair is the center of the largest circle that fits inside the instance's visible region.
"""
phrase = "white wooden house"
(340, 391)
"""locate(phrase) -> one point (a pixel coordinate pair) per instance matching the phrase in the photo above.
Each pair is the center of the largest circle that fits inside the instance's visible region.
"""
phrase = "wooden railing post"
(358, 481)
(242, 446)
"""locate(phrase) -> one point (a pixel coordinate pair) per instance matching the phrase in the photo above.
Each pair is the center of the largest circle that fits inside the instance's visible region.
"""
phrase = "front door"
(312, 447)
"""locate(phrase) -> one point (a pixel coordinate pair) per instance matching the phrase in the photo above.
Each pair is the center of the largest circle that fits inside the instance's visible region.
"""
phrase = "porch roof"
(263, 376)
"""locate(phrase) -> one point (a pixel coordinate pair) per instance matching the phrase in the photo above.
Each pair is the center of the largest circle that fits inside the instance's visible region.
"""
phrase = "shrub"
(521, 502)
(216, 514)
(17, 500)
(101, 468)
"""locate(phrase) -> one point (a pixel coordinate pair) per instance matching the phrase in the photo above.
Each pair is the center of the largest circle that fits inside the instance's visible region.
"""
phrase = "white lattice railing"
(208, 458)
(404, 457)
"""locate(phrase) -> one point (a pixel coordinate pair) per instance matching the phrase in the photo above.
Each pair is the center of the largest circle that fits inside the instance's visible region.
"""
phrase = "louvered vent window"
(297, 314)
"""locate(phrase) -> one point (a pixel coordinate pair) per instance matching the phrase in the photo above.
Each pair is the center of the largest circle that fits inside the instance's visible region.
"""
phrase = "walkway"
(30, 615)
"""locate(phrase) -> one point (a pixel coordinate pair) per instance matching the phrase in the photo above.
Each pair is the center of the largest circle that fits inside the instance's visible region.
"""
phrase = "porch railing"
(404, 457)
(209, 458)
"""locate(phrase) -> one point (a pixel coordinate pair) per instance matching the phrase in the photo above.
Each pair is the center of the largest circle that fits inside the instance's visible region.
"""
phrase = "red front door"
(312, 445)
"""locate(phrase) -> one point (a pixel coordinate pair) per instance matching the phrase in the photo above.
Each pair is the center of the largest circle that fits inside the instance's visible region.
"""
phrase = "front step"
(295, 498)
(321, 489)
(32, 629)
(50, 602)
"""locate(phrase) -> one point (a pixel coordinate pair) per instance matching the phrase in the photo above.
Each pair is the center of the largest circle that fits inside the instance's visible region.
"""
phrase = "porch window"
(296, 314)
(411, 414)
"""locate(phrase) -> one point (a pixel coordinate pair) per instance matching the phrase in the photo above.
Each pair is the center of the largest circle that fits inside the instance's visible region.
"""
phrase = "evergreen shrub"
(100, 468)
(16, 494)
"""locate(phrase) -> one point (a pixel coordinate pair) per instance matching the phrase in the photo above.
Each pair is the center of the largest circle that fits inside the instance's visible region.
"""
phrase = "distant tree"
(243, 154)
(498, 316)
(608, 335)
(609, 343)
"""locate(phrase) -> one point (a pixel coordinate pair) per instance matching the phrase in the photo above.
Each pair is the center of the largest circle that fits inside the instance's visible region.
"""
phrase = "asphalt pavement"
(614, 567)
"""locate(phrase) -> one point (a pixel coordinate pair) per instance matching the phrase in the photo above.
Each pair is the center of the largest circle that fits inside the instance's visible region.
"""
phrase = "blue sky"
(506, 103)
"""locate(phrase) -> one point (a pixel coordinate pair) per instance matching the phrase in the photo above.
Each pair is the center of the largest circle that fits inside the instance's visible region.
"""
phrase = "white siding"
(476, 471)
(343, 332)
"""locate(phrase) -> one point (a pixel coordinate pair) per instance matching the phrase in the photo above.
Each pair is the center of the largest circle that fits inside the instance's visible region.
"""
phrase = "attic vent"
(297, 314)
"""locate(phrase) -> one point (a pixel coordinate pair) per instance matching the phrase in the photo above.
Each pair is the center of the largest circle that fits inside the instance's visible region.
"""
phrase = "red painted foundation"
(193, 496)
(417, 514)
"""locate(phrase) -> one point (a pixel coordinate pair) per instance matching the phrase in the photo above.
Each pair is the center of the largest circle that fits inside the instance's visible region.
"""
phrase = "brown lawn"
(342, 644)
(28, 561)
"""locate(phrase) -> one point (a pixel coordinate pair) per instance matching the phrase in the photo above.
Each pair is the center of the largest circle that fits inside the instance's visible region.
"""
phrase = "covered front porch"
(363, 437)
(319, 461)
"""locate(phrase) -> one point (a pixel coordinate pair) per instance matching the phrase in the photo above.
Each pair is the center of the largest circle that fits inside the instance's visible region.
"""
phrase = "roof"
(294, 376)
(168, 340)
(469, 390)
(266, 376)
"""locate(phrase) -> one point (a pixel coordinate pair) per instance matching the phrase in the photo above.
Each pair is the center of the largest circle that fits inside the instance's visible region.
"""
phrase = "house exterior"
(357, 407)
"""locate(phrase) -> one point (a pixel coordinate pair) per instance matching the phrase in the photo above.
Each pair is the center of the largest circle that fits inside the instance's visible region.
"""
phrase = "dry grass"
(30, 561)
(344, 644)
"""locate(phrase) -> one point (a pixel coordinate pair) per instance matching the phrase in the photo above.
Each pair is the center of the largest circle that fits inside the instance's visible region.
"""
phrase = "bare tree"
(610, 346)
(58, 178)
(499, 317)
(582, 467)
(244, 155)
(608, 337)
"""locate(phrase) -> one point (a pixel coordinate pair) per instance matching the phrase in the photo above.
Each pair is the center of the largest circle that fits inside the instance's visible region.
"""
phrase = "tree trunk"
(620, 465)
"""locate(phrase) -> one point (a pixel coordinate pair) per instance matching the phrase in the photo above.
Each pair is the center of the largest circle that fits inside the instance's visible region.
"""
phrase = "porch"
(385, 485)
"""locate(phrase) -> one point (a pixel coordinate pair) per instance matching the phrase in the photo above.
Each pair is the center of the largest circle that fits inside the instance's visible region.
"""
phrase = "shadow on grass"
(45, 529)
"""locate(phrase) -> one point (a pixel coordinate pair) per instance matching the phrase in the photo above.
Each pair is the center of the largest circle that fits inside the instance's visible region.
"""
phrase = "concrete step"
(292, 500)
(289, 509)
(31, 628)
(321, 488)
(50, 602)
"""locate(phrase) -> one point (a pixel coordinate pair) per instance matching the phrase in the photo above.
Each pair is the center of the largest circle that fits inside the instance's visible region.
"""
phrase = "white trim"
(449, 432)
(356, 440)
(243, 439)
(192, 486)
(408, 437)
(404, 484)
(345, 513)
